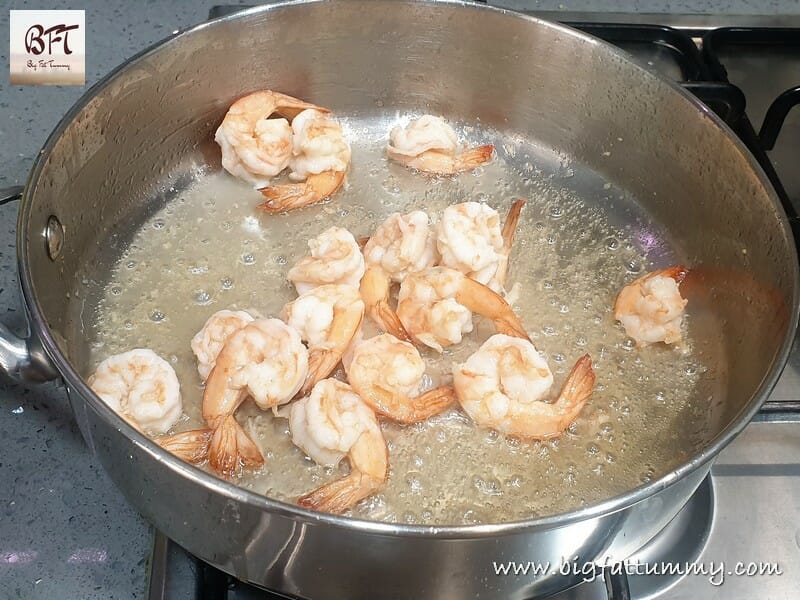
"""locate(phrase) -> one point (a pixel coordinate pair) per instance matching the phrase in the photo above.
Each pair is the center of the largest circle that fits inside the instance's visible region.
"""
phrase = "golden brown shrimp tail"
(474, 157)
(484, 301)
(432, 403)
(678, 273)
(369, 463)
(409, 410)
(191, 446)
(231, 449)
(216, 388)
(342, 494)
(386, 316)
(281, 198)
(375, 287)
(322, 362)
(509, 233)
(512, 327)
(510, 225)
(290, 107)
(441, 163)
(577, 389)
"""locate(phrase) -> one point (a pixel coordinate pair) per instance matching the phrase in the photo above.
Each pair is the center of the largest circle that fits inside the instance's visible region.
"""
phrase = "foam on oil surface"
(579, 241)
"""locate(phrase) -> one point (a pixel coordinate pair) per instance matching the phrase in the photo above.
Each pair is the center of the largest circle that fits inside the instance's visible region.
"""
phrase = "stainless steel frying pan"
(150, 123)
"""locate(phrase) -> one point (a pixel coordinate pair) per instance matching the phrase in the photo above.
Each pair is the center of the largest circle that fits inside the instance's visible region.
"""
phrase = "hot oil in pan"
(579, 241)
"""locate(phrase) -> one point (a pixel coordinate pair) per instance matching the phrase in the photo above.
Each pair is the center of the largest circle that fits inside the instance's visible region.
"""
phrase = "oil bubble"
(633, 266)
(201, 297)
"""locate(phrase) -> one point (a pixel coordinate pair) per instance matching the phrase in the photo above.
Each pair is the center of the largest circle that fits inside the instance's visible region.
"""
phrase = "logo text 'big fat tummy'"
(47, 47)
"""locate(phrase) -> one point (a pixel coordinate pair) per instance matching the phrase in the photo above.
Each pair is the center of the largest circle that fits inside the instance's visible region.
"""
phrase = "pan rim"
(235, 493)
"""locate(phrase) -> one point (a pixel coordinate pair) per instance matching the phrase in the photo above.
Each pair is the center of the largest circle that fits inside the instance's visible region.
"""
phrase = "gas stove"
(739, 519)
(747, 512)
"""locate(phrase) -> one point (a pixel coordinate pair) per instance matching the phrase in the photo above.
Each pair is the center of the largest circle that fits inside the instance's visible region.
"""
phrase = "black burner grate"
(617, 587)
(732, 53)
(213, 584)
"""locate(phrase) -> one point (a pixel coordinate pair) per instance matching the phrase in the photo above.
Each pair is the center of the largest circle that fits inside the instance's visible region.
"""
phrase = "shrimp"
(470, 240)
(429, 144)
(651, 308)
(387, 374)
(265, 360)
(501, 386)
(335, 258)
(327, 425)
(207, 343)
(402, 244)
(141, 387)
(435, 307)
(254, 147)
(320, 157)
(327, 317)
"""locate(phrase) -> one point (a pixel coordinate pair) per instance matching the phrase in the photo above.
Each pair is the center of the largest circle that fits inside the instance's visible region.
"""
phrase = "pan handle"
(10, 194)
(22, 359)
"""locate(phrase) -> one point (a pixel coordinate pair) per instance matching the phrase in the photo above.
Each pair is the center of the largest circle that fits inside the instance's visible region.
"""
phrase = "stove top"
(748, 71)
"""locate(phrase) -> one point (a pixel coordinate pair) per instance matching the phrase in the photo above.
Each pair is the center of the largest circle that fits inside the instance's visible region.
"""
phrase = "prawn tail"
(510, 225)
(431, 403)
(321, 363)
(375, 292)
(678, 273)
(231, 449)
(387, 318)
(289, 106)
(577, 388)
(474, 157)
(511, 325)
(190, 446)
(488, 303)
(281, 198)
(342, 494)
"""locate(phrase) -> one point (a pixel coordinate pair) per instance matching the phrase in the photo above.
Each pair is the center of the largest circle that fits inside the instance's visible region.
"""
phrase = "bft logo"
(37, 35)
(47, 47)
